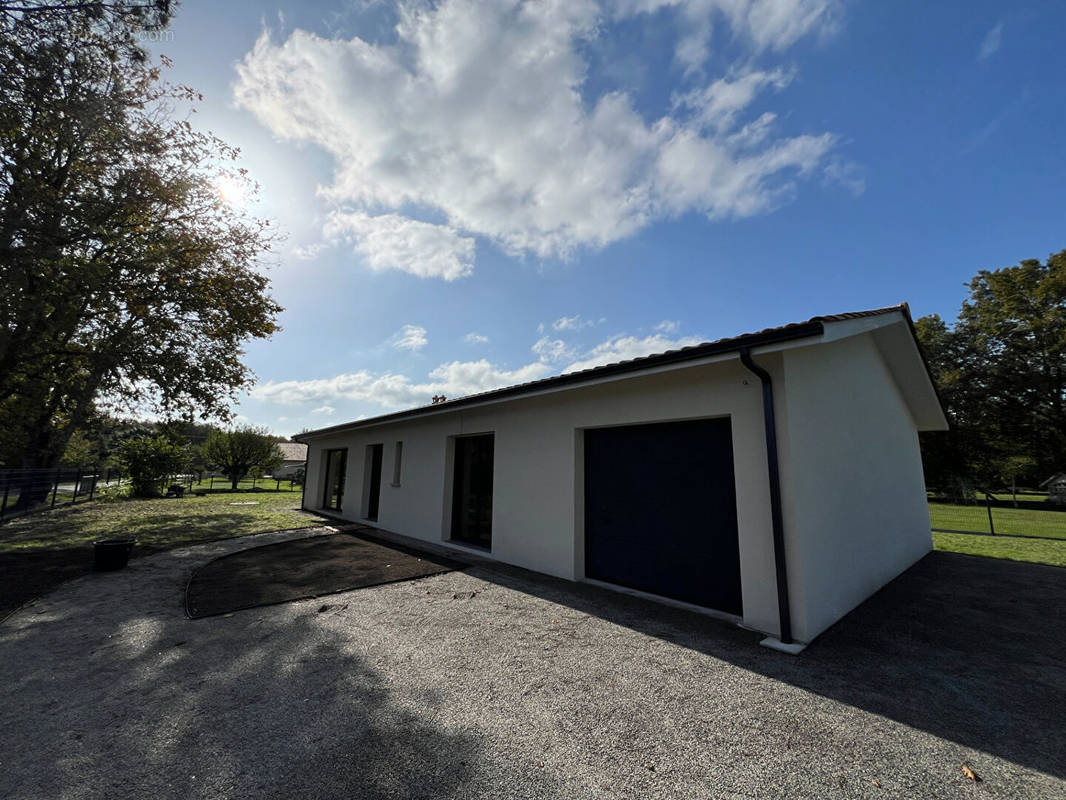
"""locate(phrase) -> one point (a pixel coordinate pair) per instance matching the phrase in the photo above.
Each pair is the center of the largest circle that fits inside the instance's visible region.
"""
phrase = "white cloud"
(765, 24)
(327, 410)
(309, 252)
(410, 337)
(718, 105)
(847, 174)
(668, 326)
(552, 351)
(390, 391)
(475, 338)
(624, 348)
(991, 43)
(460, 378)
(391, 241)
(514, 153)
(574, 323)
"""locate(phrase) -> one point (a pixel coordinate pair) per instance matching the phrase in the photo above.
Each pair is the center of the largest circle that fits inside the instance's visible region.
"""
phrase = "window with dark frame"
(372, 481)
(397, 464)
(472, 490)
(336, 466)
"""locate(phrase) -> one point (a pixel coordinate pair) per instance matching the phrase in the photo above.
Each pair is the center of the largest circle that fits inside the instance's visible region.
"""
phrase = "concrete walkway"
(492, 682)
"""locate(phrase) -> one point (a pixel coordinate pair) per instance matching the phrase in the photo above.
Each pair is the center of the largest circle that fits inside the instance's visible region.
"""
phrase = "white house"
(773, 479)
(1056, 488)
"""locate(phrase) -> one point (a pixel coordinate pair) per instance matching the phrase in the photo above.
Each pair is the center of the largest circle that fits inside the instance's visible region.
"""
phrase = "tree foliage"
(1001, 372)
(149, 461)
(129, 283)
(236, 452)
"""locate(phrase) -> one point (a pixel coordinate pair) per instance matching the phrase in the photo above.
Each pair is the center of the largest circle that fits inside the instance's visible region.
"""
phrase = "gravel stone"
(493, 682)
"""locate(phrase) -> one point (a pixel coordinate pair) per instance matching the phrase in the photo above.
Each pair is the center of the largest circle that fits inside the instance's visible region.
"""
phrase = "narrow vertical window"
(397, 464)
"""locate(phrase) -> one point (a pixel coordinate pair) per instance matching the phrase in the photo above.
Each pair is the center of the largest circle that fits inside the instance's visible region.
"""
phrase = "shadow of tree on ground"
(126, 709)
(458, 684)
(32, 571)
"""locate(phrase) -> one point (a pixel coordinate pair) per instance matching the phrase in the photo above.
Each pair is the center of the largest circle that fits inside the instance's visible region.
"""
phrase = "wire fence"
(27, 490)
(208, 483)
(1027, 515)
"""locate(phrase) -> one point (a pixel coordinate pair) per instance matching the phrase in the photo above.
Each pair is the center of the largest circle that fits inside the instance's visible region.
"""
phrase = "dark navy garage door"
(661, 511)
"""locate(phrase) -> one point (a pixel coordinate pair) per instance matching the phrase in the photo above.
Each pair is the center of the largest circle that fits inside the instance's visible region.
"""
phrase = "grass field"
(63, 494)
(260, 484)
(1040, 551)
(40, 551)
(1027, 496)
(1009, 523)
(157, 523)
(1014, 521)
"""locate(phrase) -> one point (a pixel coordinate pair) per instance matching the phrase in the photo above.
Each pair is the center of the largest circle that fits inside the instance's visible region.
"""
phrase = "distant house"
(1056, 488)
(294, 457)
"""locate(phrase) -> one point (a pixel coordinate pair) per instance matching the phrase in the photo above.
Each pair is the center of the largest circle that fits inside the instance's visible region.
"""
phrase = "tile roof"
(293, 451)
(794, 330)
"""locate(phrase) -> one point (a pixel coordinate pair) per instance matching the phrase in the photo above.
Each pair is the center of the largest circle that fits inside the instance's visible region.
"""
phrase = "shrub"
(150, 461)
(113, 494)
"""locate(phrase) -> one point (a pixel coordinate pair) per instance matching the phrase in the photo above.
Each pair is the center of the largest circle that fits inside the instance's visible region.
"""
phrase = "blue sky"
(481, 193)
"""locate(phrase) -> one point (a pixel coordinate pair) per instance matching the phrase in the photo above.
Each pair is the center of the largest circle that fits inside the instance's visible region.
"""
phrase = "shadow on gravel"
(297, 714)
(30, 572)
(970, 649)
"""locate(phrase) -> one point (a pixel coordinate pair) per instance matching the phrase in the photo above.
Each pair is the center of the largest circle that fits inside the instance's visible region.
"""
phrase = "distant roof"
(1058, 477)
(796, 330)
(293, 451)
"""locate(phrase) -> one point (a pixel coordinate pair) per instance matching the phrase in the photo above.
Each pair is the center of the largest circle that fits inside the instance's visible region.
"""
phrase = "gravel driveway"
(493, 682)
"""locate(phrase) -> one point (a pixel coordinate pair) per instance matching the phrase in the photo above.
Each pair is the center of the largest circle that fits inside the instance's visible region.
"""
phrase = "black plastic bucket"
(111, 554)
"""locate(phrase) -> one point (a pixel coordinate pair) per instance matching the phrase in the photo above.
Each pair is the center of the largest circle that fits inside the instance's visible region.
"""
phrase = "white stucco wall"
(538, 516)
(854, 492)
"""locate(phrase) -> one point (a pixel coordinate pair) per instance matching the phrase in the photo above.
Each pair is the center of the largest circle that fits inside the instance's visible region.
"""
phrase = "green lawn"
(1015, 521)
(1041, 551)
(223, 485)
(1027, 496)
(157, 524)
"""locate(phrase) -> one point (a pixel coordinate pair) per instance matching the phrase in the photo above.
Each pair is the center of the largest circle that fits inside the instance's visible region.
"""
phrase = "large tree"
(235, 452)
(1001, 371)
(129, 282)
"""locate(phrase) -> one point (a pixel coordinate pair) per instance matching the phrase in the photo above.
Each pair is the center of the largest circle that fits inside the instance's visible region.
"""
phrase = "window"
(372, 481)
(472, 490)
(336, 466)
(397, 464)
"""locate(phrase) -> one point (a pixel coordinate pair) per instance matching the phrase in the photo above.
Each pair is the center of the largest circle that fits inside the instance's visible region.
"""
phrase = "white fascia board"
(842, 329)
(900, 352)
(895, 341)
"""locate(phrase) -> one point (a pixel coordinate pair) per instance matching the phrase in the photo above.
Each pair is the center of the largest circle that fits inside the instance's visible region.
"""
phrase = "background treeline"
(101, 443)
(1000, 370)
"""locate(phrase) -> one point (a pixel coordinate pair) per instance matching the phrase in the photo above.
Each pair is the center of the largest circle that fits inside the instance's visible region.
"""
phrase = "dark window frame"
(397, 462)
(463, 530)
(328, 487)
